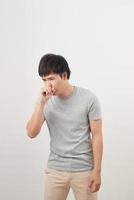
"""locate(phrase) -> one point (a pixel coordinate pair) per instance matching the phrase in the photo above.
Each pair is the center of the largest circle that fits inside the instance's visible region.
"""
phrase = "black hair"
(52, 63)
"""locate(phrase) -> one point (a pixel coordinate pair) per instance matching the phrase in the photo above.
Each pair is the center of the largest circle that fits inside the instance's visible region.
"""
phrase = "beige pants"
(58, 184)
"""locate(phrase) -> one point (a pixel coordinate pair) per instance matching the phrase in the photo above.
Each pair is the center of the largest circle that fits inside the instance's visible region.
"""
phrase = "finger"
(53, 90)
(94, 188)
(46, 91)
(49, 92)
(43, 92)
(90, 182)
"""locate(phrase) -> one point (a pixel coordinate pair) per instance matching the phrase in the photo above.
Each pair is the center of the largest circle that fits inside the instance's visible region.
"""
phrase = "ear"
(64, 75)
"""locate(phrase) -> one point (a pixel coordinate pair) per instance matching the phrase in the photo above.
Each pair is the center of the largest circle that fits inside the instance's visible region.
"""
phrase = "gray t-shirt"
(68, 122)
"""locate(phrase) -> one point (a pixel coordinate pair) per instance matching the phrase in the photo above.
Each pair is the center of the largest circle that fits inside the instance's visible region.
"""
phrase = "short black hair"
(52, 63)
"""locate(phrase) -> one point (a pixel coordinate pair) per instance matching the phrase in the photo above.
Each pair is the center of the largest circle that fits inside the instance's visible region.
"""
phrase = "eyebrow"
(48, 78)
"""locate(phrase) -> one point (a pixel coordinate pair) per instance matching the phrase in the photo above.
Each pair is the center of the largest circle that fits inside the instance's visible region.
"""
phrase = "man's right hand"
(46, 93)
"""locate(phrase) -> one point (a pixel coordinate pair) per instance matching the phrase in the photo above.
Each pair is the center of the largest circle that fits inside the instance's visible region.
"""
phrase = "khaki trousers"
(58, 184)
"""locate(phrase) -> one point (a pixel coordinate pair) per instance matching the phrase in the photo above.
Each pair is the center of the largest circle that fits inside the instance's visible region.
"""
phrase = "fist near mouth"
(48, 91)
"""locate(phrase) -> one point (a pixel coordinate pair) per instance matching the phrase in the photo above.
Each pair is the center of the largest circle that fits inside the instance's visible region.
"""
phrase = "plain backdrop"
(97, 39)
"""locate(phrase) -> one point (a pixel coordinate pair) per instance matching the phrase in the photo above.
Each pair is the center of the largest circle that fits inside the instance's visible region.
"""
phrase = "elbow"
(31, 133)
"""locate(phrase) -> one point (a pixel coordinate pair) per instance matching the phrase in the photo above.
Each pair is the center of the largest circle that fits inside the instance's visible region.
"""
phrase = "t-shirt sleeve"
(94, 108)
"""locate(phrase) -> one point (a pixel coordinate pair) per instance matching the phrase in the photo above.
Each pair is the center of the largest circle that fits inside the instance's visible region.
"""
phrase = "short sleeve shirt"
(68, 121)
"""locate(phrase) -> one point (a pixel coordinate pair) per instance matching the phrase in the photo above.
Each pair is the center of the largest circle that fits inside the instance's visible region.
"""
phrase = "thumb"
(90, 183)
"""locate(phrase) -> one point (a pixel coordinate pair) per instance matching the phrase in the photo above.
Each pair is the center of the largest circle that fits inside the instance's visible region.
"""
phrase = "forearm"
(36, 120)
(97, 145)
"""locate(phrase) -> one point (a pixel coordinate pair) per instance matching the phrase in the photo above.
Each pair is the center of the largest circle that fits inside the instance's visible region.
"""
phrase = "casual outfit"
(70, 160)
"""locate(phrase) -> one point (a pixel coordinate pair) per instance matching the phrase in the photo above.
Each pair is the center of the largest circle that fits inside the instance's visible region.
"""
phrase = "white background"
(97, 39)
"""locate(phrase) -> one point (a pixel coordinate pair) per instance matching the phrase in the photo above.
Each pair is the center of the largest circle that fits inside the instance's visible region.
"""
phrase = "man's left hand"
(94, 181)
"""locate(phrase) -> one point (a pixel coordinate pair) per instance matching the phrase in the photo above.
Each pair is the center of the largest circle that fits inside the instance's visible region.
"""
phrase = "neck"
(67, 90)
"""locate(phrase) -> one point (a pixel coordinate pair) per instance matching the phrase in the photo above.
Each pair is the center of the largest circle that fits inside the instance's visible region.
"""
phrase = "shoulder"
(89, 94)
(89, 97)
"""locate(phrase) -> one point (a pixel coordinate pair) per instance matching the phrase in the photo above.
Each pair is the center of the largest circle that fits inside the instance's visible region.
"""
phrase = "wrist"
(40, 102)
(97, 170)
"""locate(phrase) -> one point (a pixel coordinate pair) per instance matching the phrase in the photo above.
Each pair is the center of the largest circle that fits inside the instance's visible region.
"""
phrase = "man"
(71, 114)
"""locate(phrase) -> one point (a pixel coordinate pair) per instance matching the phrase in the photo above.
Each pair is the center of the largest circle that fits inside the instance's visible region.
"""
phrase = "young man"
(71, 114)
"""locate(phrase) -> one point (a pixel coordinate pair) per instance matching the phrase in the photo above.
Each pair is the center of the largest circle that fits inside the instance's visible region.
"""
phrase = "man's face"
(54, 81)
